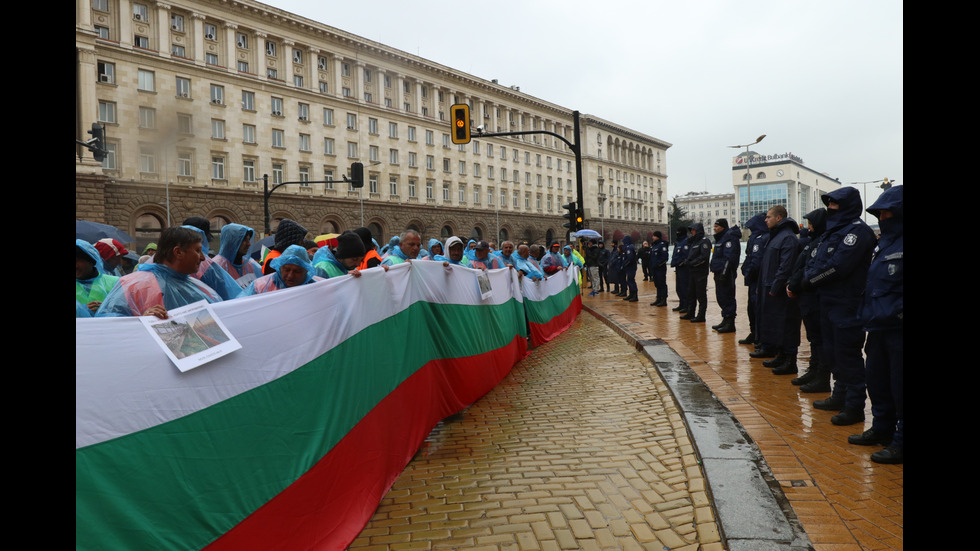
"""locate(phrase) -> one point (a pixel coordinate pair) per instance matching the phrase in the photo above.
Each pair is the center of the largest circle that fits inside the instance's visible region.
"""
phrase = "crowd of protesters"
(181, 268)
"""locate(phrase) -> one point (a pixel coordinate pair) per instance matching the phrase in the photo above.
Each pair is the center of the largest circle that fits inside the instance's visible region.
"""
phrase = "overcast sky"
(822, 79)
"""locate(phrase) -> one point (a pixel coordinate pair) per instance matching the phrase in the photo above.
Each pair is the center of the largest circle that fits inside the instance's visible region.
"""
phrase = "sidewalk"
(602, 439)
(843, 500)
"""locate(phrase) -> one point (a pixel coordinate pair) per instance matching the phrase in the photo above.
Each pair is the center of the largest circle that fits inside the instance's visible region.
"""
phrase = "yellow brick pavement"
(580, 447)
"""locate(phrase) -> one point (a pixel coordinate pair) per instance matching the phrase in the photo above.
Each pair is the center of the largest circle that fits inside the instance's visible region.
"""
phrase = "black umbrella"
(255, 251)
(93, 231)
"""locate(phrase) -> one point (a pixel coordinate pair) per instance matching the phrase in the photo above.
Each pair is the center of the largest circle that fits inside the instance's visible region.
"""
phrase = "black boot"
(727, 326)
(687, 316)
(833, 403)
(810, 375)
(750, 339)
(848, 416)
(819, 383)
(788, 367)
(775, 362)
(763, 352)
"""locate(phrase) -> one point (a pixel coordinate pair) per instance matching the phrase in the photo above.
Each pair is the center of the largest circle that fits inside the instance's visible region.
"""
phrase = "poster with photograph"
(483, 280)
(192, 336)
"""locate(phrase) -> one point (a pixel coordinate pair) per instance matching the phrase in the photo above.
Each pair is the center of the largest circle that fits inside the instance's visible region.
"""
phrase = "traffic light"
(461, 123)
(357, 175)
(97, 143)
(571, 215)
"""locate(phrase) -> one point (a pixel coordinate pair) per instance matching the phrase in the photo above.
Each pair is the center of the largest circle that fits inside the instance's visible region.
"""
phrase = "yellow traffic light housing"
(461, 123)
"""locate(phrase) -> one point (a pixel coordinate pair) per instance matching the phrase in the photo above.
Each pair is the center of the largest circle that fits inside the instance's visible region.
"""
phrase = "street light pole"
(748, 173)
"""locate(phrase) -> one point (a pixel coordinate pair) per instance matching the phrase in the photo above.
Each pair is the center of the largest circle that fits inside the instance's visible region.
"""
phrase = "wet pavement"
(637, 430)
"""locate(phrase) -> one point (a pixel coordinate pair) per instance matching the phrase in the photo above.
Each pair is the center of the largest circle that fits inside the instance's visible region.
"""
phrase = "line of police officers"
(839, 280)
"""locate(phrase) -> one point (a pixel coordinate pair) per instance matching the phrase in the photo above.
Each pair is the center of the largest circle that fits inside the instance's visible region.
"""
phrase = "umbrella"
(93, 231)
(587, 233)
(255, 251)
(327, 240)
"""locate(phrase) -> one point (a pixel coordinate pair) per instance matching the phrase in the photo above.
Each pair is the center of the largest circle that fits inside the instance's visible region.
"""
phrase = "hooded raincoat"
(241, 267)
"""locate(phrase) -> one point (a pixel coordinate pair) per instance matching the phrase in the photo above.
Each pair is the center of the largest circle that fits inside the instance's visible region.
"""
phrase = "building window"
(323, 86)
(272, 73)
(304, 174)
(242, 40)
(242, 66)
(321, 63)
(428, 189)
(210, 31)
(297, 56)
(351, 121)
(277, 138)
(393, 186)
(183, 87)
(147, 160)
(109, 161)
(145, 81)
(392, 129)
(411, 188)
(327, 116)
(352, 150)
(373, 184)
(248, 100)
(270, 49)
(248, 170)
(217, 94)
(277, 173)
(211, 59)
(177, 50)
(445, 192)
(277, 106)
(184, 163)
(248, 133)
(298, 81)
(393, 156)
(184, 123)
(140, 13)
(430, 162)
(328, 146)
(102, 32)
(217, 167)
(217, 129)
(429, 138)
(148, 118)
(372, 126)
(107, 112)
(304, 112)
(304, 142)
(412, 159)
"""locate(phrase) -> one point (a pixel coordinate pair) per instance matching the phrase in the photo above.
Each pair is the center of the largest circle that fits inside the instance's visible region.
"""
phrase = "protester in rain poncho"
(286, 274)
(453, 257)
(213, 275)
(347, 257)
(166, 283)
(92, 283)
(233, 254)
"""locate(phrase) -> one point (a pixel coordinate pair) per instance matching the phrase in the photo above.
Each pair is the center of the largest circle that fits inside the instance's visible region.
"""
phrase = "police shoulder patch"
(728, 245)
(850, 239)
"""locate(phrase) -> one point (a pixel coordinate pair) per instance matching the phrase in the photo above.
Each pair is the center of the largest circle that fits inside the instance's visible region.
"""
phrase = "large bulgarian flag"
(290, 442)
(551, 304)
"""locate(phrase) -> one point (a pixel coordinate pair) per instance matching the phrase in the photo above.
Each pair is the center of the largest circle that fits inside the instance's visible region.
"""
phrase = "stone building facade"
(202, 100)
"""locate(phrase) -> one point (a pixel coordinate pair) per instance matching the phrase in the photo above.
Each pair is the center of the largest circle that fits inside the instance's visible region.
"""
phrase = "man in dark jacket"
(724, 265)
(682, 275)
(603, 263)
(754, 248)
(779, 327)
(613, 271)
(839, 273)
(658, 268)
(817, 378)
(628, 264)
(698, 260)
(643, 257)
(882, 314)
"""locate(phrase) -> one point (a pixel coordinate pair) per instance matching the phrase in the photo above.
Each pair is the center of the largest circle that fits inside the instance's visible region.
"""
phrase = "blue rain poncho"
(326, 265)
(96, 288)
(213, 275)
(293, 255)
(246, 270)
(151, 285)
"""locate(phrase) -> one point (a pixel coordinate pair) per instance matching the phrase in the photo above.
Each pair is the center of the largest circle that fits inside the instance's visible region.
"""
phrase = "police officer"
(724, 265)
(838, 273)
(698, 260)
(658, 268)
(682, 275)
(817, 378)
(882, 315)
(754, 248)
(779, 313)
